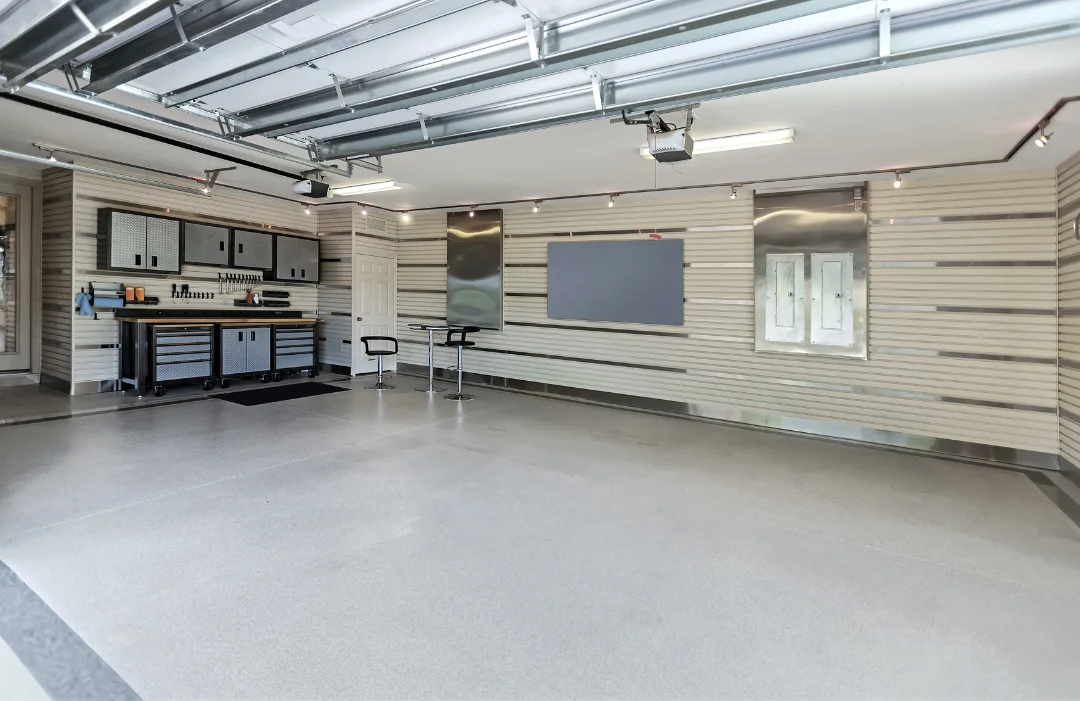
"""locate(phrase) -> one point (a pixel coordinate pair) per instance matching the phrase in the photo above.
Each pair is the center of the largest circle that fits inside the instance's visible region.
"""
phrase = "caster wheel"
(159, 391)
(225, 383)
(311, 373)
(206, 385)
(264, 379)
(277, 377)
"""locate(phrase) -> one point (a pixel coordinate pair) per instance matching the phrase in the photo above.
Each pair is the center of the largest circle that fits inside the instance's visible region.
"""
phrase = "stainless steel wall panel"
(474, 268)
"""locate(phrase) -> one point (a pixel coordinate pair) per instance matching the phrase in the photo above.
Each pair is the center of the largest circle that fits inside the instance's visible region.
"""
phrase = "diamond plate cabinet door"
(258, 349)
(307, 255)
(253, 250)
(205, 244)
(287, 263)
(163, 245)
(126, 234)
(233, 351)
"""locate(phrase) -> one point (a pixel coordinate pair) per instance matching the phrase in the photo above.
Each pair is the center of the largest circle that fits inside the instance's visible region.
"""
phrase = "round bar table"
(431, 329)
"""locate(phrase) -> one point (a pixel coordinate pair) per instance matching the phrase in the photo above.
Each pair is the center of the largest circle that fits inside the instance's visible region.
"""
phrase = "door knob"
(359, 318)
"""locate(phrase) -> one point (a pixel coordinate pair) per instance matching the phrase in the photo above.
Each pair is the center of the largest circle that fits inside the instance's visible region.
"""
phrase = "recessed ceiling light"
(380, 186)
(736, 142)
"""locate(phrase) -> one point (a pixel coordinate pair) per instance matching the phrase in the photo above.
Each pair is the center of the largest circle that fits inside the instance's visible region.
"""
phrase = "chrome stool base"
(433, 390)
(456, 397)
(380, 386)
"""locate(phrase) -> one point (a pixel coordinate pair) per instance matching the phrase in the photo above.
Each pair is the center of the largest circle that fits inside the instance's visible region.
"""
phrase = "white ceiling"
(961, 109)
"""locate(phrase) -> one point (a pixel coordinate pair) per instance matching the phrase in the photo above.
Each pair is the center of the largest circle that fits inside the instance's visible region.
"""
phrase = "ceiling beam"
(611, 33)
(916, 38)
(413, 15)
(194, 30)
(23, 15)
(64, 34)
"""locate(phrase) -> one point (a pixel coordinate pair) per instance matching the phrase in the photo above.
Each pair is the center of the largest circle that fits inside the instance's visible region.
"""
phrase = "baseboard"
(55, 383)
(762, 420)
(95, 387)
(336, 369)
(1069, 470)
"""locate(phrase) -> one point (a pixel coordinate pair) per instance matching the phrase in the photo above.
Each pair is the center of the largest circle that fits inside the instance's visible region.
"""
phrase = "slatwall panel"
(335, 285)
(57, 235)
(963, 353)
(95, 352)
(1069, 310)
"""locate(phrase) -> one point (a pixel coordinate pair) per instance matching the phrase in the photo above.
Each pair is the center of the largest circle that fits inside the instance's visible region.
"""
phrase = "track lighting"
(206, 191)
(536, 206)
(405, 217)
(734, 194)
(52, 157)
(307, 209)
(363, 210)
(472, 211)
(899, 182)
(611, 201)
(1043, 138)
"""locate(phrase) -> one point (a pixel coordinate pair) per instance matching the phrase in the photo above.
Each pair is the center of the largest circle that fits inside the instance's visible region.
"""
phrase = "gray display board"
(474, 262)
(630, 281)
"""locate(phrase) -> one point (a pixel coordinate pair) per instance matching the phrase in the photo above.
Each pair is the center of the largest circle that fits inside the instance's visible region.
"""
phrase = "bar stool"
(461, 344)
(379, 353)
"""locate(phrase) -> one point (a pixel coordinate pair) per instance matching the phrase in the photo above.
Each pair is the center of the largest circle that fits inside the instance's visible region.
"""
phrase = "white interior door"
(374, 311)
(15, 203)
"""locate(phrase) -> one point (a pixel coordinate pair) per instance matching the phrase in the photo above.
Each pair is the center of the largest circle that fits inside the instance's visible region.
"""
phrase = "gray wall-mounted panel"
(627, 281)
(474, 269)
(205, 244)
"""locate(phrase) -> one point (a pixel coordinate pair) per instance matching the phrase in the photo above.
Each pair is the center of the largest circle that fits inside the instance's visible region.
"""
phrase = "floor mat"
(280, 393)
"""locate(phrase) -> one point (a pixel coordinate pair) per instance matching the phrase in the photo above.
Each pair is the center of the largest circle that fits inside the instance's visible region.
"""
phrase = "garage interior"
(539, 348)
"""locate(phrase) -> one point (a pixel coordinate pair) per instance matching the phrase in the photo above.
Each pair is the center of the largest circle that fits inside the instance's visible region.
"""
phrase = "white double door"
(374, 312)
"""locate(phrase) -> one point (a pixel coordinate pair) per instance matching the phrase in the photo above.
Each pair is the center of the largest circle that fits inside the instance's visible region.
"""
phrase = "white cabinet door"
(785, 317)
(832, 299)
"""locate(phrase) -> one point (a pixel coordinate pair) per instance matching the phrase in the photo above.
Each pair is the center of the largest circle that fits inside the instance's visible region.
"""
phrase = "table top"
(432, 327)
(263, 321)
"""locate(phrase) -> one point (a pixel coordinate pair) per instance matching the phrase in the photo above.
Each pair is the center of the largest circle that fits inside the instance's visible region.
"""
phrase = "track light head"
(52, 157)
(363, 210)
(1043, 138)
(899, 182)
(472, 211)
(734, 193)
(206, 190)
(406, 217)
(307, 209)
(611, 201)
(536, 206)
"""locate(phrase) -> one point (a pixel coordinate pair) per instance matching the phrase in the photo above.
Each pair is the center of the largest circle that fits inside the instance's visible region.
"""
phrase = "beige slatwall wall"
(57, 230)
(94, 341)
(913, 382)
(1069, 309)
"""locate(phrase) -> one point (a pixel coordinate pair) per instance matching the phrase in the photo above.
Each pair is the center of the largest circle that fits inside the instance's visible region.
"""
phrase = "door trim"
(389, 364)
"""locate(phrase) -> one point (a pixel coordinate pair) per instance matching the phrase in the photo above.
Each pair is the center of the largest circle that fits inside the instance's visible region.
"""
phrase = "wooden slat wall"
(919, 379)
(57, 236)
(1069, 309)
(94, 341)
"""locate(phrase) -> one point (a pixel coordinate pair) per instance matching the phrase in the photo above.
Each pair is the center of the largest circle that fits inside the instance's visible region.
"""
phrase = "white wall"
(965, 354)
(1069, 311)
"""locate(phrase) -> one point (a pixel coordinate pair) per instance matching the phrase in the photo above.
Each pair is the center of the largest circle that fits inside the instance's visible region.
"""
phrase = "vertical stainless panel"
(474, 268)
(162, 244)
(127, 240)
(822, 227)
(784, 308)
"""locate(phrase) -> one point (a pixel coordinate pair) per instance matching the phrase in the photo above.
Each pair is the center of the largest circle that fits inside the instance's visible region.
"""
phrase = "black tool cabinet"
(181, 355)
(295, 350)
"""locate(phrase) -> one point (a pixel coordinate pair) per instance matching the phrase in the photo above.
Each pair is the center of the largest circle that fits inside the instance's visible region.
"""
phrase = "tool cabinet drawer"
(164, 372)
(296, 360)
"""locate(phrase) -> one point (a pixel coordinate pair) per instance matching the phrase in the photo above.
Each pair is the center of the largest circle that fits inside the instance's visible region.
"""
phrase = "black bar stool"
(461, 344)
(379, 353)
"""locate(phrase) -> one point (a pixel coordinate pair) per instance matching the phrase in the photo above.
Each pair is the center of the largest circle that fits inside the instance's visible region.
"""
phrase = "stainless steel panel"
(163, 244)
(253, 249)
(258, 349)
(307, 259)
(205, 244)
(474, 264)
(127, 240)
(808, 223)
(300, 360)
(286, 263)
(233, 348)
(182, 371)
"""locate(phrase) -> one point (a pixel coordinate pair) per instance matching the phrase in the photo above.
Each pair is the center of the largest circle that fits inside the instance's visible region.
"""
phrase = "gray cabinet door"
(205, 244)
(127, 240)
(253, 249)
(287, 266)
(258, 349)
(162, 245)
(233, 350)
(308, 260)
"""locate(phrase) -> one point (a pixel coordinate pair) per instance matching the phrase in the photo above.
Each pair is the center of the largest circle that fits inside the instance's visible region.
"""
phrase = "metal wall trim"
(1069, 470)
(1065, 211)
(376, 237)
(634, 332)
(963, 218)
(1068, 260)
(340, 313)
(960, 310)
(717, 300)
(525, 265)
(421, 292)
(428, 265)
(766, 420)
(53, 343)
(1068, 363)
(636, 232)
(959, 354)
(425, 238)
(1070, 415)
(96, 346)
(804, 384)
(95, 387)
(749, 265)
(967, 264)
(193, 216)
(55, 383)
(526, 294)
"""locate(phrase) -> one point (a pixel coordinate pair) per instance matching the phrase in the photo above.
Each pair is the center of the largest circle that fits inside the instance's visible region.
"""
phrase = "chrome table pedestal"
(431, 329)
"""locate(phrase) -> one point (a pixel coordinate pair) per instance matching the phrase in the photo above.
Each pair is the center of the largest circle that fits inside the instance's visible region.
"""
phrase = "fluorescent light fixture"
(736, 142)
(381, 186)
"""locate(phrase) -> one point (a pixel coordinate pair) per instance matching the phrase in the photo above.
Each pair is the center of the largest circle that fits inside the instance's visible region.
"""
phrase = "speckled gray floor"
(358, 545)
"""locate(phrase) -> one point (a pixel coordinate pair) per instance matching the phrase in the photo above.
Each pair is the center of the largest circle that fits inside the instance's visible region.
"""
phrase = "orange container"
(140, 293)
(129, 293)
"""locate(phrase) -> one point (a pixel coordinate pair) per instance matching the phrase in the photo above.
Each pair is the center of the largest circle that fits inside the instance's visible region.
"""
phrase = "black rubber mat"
(280, 393)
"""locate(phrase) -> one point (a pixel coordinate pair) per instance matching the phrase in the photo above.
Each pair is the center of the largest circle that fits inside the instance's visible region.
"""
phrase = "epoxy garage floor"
(356, 545)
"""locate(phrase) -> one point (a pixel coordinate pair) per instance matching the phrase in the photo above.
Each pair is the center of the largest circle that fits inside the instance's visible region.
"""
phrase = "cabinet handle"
(221, 245)
(252, 335)
(302, 273)
(240, 336)
(138, 259)
(240, 248)
(153, 261)
(293, 273)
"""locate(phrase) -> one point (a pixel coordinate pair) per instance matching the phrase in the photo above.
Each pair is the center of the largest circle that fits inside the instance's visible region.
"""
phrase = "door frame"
(23, 357)
(389, 362)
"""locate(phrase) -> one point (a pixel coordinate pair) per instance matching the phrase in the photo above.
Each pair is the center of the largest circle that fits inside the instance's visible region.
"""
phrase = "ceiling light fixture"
(774, 137)
(307, 209)
(1043, 138)
(734, 193)
(381, 186)
(363, 210)
(52, 157)
(405, 217)
(472, 211)
(536, 206)
(899, 182)
(611, 201)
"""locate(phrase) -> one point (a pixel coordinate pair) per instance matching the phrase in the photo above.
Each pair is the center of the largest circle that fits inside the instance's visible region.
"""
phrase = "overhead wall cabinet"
(253, 250)
(296, 259)
(205, 244)
(136, 241)
(810, 272)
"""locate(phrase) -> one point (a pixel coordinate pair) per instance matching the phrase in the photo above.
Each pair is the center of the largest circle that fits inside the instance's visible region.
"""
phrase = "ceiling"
(967, 108)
